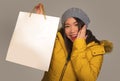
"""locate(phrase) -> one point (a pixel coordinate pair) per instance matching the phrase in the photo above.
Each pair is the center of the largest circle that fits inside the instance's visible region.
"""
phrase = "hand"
(82, 33)
(39, 8)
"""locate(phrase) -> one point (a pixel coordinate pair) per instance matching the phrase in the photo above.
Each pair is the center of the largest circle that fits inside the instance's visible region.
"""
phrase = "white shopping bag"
(33, 40)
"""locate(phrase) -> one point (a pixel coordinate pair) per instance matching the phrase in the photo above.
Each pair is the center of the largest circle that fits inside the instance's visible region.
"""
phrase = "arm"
(86, 61)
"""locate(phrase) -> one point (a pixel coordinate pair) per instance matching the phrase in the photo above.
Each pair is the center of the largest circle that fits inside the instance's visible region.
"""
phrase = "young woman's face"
(71, 28)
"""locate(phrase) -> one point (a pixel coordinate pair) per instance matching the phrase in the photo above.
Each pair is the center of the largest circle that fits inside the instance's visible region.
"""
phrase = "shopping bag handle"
(41, 7)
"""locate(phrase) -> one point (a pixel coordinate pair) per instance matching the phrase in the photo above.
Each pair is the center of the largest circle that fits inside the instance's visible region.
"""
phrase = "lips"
(73, 38)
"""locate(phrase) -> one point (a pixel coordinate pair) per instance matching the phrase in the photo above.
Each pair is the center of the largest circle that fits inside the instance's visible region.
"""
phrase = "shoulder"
(104, 47)
(59, 41)
(96, 48)
(59, 37)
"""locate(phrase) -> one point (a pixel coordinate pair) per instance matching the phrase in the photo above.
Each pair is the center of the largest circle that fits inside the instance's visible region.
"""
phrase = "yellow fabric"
(85, 63)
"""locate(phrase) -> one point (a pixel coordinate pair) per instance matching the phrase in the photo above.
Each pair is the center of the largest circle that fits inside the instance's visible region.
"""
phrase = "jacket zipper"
(63, 71)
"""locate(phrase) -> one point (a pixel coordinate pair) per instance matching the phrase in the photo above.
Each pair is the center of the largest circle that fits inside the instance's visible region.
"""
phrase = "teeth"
(73, 36)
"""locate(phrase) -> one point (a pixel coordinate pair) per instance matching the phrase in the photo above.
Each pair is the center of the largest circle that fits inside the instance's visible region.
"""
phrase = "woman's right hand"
(39, 8)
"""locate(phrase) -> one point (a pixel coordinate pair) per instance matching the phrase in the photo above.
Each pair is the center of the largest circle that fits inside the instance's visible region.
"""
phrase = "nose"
(72, 29)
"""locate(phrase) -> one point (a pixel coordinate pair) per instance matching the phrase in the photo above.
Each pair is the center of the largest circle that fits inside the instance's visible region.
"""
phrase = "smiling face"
(71, 28)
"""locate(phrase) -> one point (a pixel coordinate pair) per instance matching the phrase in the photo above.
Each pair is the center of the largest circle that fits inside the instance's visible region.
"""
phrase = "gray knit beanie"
(75, 12)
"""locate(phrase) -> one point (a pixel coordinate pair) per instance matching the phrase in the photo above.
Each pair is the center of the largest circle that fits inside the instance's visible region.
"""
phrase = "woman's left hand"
(82, 33)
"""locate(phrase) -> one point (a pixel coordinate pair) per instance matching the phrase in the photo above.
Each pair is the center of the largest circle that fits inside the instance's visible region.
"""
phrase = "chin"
(72, 40)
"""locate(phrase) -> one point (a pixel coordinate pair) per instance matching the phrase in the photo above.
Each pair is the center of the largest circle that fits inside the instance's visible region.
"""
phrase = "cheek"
(77, 29)
(67, 32)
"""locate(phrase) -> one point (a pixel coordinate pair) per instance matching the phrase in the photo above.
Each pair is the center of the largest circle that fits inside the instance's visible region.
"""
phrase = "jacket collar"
(108, 46)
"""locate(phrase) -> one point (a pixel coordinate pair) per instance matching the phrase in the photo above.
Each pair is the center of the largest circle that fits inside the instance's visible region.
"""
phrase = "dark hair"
(69, 43)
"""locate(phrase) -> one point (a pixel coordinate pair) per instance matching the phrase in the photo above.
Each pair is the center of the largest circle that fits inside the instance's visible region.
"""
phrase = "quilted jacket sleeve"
(86, 61)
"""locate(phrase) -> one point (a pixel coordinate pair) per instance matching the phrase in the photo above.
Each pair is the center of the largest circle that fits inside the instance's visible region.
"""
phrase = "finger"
(38, 8)
(86, 36)
(83, 30)
(79, 34)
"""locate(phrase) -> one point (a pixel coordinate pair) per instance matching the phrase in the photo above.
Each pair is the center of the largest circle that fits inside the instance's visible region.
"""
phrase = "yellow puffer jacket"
(85, 63)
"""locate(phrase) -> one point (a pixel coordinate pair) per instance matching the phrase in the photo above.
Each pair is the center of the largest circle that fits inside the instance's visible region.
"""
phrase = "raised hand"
(82, 33)
(39, 8)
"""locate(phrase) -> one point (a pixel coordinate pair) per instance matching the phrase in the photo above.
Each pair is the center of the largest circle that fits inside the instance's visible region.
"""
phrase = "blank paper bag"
(33, 40)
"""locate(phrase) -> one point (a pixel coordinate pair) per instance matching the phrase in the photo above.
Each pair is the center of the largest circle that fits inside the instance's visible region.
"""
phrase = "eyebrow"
(73, 23)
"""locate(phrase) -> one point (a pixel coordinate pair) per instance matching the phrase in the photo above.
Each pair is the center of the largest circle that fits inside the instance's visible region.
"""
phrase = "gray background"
(105, 24)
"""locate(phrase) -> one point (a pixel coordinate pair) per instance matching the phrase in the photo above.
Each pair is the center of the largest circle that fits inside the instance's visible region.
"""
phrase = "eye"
(66, 26)
(76, 24)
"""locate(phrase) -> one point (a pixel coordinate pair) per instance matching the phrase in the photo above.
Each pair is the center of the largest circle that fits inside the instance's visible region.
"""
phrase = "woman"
(77, 54)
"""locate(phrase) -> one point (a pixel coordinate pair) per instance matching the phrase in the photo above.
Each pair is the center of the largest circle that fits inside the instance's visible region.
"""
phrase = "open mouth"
(73, 37)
